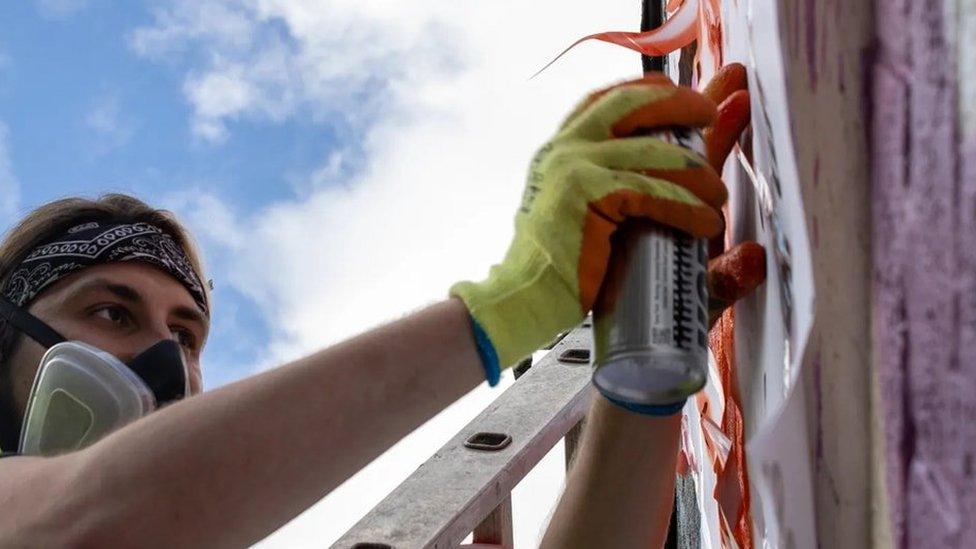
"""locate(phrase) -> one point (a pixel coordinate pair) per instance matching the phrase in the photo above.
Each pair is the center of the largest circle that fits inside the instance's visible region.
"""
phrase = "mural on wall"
(745, 443)
(770, 328)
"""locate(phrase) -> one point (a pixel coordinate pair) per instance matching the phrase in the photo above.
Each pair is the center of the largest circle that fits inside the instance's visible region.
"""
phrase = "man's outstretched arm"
(620, 490)
(230, 466)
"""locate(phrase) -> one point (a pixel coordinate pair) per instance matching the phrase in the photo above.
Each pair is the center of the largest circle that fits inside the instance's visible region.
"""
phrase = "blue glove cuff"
(649, 409)
(486, 350)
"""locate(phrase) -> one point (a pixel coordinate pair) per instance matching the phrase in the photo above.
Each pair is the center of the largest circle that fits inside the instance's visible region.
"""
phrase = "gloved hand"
(582, 184)
(737, 272)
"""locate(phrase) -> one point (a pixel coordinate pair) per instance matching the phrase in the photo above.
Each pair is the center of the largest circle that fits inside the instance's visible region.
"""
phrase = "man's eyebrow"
(122, 291)
(191, 314)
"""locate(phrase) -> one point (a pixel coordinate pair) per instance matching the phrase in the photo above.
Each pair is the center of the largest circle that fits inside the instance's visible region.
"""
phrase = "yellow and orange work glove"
(594, 174)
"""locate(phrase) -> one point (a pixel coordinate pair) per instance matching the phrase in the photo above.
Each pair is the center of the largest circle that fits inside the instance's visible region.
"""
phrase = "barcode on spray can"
(662, 313)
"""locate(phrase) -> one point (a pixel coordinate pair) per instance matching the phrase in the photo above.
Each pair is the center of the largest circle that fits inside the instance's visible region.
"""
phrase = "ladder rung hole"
(575, 356)
(489, 442)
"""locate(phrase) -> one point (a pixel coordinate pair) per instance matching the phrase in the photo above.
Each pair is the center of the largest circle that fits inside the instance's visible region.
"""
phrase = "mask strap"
(29, 324)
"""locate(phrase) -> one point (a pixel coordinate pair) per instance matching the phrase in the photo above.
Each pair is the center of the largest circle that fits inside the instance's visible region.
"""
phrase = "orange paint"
(732, 487)
(710, 21)
(731, 276)
(677, 32)
(728, 89)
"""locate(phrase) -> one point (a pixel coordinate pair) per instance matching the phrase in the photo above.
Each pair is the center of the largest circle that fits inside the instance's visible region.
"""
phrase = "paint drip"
(677, 32)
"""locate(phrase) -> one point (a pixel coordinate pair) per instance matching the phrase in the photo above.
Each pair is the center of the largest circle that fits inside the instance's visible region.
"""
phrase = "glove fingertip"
(733, 117)
(737, 272)
(726, 81)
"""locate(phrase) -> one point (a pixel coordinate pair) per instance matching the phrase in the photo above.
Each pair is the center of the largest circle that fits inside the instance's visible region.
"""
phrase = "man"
(228, 467)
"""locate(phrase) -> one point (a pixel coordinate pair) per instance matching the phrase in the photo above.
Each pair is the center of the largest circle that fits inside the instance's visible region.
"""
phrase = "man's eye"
(115, 315)
(185, 338)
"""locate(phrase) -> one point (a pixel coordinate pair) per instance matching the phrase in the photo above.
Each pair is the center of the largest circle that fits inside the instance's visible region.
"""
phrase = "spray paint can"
(650, 321)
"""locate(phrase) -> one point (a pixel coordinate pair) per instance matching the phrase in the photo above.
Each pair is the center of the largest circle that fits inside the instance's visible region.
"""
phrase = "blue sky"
(61, 70)
(86, 114)
(342, 162)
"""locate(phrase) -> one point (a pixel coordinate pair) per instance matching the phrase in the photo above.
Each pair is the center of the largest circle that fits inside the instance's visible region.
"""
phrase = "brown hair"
(49, 221)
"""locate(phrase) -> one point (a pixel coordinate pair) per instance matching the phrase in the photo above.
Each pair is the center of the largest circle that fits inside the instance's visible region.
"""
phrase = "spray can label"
(651, 317)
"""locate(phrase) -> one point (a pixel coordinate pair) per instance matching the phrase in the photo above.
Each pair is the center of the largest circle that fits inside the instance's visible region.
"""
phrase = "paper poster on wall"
(771, 327)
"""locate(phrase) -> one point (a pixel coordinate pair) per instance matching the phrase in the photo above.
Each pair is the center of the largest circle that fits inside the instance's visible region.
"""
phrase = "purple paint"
(966, 248)
(822, 42)
(841, 82)
(795, 34)
(810, 20)
(889, 128)
(816, 365)
(816, 170)
(924, 272)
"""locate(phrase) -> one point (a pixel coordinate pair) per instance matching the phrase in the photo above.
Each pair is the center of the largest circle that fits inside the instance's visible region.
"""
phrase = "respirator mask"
(82, 393)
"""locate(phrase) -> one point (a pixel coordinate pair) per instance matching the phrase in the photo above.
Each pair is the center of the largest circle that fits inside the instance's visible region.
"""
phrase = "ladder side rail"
(459, 487)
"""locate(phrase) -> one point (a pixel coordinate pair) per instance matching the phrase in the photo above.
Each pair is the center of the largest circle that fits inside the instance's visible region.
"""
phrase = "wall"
(924, 224)
(826, 46)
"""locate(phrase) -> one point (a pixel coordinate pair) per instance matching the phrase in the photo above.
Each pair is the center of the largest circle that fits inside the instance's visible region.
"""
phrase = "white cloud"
(439, 93)
(212, 221)
(272, 59)
(221, 24)
(9, 186)
(110, 130)
(60, 9)
(216, 96)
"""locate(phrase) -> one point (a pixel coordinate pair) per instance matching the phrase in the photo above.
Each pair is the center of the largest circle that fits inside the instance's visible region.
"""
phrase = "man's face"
(122, 308)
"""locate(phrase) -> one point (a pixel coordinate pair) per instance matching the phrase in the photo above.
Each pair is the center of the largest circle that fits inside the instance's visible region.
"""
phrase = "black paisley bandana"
(98, 243)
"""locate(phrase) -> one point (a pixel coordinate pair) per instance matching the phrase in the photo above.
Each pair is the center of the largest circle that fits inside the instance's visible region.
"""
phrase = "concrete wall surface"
(826, 45)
